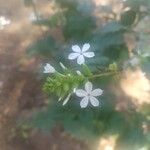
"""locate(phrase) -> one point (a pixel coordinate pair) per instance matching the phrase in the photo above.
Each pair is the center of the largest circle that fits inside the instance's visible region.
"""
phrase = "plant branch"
(104, 74)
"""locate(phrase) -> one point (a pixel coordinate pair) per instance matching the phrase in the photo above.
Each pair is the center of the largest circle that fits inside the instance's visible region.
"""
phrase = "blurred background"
(34, 32)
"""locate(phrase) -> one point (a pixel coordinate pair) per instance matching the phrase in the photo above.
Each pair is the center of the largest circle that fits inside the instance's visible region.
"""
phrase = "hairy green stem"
(103, 74)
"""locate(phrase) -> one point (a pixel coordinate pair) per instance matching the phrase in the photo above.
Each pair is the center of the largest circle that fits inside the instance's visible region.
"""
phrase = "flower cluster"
(67, 84)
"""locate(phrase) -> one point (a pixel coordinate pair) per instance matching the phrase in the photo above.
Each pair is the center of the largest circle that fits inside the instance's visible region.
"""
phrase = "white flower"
(49, 69)
(89, 95)
(79, 53)
(3, 22)
(32, 17)
(78, 72)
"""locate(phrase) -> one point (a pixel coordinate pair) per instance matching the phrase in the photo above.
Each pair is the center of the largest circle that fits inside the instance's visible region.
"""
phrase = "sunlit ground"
(136, 85)
(107, 143)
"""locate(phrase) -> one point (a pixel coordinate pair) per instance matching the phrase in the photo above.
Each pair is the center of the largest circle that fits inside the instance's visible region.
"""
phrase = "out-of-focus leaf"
(86, 7)
(28, 2)
(55, 20)
(78, 27)
(143, 43)
(136, 4)
(70, 4)
(143, 25)
(110, 46)
(45, 46)
(146, 67)
(112, 27)
(128, 17)
(132, 136)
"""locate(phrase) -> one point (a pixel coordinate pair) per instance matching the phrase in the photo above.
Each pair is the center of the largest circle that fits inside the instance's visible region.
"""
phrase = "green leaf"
(112, 27)
(78, 27)
(128, 17)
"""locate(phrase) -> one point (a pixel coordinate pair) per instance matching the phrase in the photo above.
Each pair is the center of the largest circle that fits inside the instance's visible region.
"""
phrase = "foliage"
(43, 46)
(78, 26)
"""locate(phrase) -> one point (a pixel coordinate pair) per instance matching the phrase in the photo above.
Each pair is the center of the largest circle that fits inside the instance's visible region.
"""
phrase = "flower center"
(88, 94)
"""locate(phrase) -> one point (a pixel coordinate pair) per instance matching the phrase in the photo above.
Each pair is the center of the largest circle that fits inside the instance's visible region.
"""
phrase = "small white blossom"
(78, 72)
(32, 17)
(89, 95)
(80, 54)
(3, 22)
(49, 69)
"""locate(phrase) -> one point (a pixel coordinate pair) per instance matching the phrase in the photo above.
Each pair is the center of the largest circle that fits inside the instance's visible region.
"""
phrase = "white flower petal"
(80, 60)
(49, 69)
(88, 87)
(73, 55)
(45, 71)
(97, 92)
(84, 102)
(86, 46)
(89, 54)
(94, 101)
(66, 100)
(81, 93)
(76, 49)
